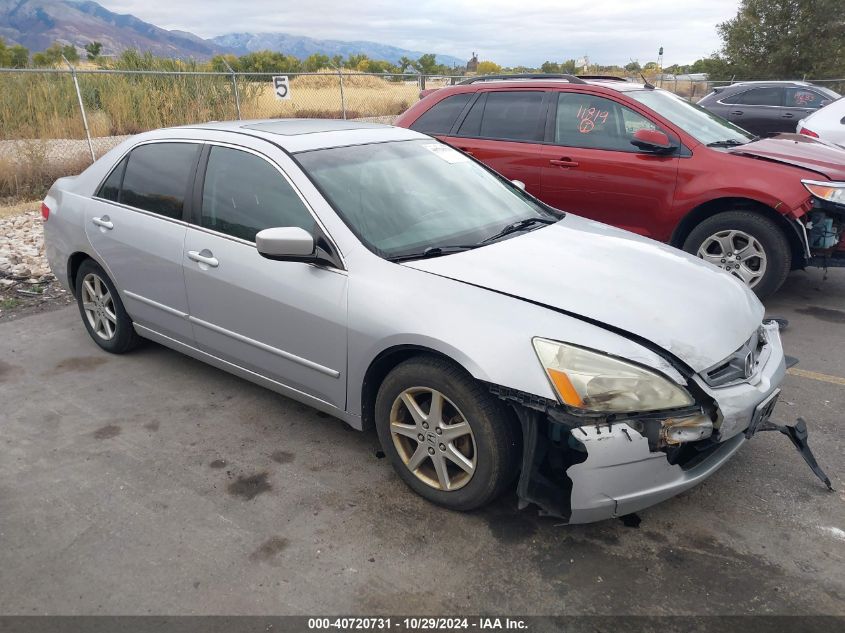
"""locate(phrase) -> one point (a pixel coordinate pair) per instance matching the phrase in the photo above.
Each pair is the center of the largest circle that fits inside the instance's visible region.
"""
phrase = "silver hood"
(589, 269)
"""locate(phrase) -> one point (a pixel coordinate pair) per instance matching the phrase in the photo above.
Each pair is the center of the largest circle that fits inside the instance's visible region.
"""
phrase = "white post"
(81, 108)
(235, 86)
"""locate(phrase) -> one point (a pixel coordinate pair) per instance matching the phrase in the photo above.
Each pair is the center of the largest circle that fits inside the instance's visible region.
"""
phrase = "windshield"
(404, 197)
(701, 124)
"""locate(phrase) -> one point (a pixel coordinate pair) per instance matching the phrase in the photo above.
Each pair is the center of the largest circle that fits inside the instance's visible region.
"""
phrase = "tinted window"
(759, 96)
(441, 117)
(111, 187)
(243, 194)
(158, 176)
(472, 123)
(803, 98)
(584, 120)
(506, 115)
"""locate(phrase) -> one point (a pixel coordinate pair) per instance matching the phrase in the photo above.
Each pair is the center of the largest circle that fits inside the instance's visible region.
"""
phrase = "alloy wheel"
(98, 306)
(736, 252)
(433, 438)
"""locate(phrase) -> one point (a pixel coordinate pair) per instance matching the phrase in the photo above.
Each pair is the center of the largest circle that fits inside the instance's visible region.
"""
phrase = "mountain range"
(36, 24)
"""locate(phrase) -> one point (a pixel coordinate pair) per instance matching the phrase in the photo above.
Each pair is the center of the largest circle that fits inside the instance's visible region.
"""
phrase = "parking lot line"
(814, 375)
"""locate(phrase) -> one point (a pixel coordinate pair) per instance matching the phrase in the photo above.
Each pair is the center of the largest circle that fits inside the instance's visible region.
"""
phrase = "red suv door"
(502, 129)
(590, 167)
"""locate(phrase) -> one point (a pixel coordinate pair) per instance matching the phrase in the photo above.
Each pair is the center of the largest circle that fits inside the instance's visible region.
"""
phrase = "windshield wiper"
(727, 143)
(432, 251)
(519, 225)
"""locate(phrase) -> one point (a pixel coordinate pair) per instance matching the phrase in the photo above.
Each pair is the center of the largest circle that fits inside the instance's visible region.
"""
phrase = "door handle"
(208, 260)
(788, 115)
(737, 112)
(103, 222)
(564, 162)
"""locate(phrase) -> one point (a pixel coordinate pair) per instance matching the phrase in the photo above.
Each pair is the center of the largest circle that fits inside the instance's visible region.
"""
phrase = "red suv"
(647, 161)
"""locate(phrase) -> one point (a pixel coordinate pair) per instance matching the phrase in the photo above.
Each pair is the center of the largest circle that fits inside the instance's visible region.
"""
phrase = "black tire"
(770, 236)
(496, 439)
(124, 337)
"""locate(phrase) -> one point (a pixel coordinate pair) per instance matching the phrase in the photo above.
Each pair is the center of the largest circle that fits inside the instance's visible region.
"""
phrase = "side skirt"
(294, 394)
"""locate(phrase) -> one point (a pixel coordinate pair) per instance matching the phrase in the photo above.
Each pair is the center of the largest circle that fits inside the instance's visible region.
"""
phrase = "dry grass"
(319, 96)
(17, 208)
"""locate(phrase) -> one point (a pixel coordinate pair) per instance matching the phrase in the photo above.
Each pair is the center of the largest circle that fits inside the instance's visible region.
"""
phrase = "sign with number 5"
(281, 87)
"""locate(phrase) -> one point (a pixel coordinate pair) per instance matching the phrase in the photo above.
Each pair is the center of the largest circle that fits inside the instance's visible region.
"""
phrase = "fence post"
(235, 86)
(342, 95)
(81, 108)
(422, 82)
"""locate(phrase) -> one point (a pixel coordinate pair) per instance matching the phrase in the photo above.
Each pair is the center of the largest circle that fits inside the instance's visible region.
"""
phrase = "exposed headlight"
(593, 381)
(830, 191)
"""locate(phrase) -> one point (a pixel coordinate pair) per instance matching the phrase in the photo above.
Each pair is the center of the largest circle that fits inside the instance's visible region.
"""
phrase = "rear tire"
(474, 429)
(750, 245)
(102, 311)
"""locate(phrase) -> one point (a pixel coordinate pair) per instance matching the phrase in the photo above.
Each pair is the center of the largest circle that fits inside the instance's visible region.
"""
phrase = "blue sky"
(504, 31)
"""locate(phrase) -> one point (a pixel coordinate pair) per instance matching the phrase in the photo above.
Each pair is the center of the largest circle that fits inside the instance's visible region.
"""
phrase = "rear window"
(110, 190)
(442, 115)
(758, 96)
(158, 176)
(804, 98)
(510, 116)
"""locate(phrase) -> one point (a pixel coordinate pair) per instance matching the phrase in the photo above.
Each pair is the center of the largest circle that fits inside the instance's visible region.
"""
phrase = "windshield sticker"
(449, 154)
(589, 117)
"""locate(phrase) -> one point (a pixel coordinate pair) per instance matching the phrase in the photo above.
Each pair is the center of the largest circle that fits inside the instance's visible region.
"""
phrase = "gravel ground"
(26, 284)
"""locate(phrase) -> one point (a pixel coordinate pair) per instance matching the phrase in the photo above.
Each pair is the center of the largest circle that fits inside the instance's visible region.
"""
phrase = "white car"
(827, 123)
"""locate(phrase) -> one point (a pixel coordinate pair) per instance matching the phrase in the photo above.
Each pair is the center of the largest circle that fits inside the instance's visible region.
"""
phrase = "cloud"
(508, 32)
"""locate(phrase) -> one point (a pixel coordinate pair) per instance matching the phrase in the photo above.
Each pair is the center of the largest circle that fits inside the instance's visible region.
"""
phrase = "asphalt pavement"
(152, 483)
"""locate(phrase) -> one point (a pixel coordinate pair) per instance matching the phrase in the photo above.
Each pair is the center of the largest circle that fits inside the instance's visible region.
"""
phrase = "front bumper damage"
(585, 469)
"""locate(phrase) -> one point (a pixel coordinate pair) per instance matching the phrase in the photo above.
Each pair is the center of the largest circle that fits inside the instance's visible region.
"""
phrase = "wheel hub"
(736, 252)
(433, 438)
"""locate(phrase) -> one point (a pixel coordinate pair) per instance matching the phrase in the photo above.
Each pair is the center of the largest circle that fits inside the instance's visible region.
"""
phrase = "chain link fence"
(53, 122)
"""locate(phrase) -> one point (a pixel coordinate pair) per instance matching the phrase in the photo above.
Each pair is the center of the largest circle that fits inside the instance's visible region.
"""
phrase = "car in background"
(647, 161)
(766, 108)
(827, 124)
(385, 278)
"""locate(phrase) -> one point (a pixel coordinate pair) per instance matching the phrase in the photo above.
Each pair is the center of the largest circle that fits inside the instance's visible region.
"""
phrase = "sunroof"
(293, 127)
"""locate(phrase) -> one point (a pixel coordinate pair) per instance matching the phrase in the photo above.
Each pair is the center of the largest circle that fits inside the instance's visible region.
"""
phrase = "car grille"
(741, 365)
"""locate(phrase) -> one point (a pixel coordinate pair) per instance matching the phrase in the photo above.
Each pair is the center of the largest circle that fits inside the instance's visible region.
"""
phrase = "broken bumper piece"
(596, 472)
(599, 471)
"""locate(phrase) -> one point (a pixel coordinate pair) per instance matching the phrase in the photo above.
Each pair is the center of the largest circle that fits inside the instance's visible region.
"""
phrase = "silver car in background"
(390, 280)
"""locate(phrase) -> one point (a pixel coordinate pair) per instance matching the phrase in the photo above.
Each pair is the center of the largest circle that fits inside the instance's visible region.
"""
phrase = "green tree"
(20, 56)
(427, 64)
(316, 62)
(52, 55)
(489, 68)
(785, 39)
(354, 61)
(268, 62)
(550, 67)
(405, 63)
(633, 67)
(93, 49)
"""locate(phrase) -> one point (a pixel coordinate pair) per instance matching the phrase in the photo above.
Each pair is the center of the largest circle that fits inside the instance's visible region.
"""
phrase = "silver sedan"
(390, 280)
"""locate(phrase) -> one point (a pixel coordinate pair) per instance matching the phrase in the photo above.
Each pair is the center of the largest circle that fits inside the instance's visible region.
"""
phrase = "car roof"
(302, 135)
(772, 83)
(552, 82)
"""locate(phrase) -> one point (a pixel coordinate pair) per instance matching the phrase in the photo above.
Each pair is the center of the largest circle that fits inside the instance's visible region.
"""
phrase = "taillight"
(807, 132)
(45, 212)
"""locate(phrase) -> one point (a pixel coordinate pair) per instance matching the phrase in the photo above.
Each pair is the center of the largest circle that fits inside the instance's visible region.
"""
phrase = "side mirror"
(286, 243)
(519, 184)
(653, 141)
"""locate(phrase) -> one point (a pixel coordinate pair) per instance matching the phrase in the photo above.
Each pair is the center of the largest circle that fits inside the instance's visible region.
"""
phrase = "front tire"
(745, 244)
(102, 310)
(447, 436)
